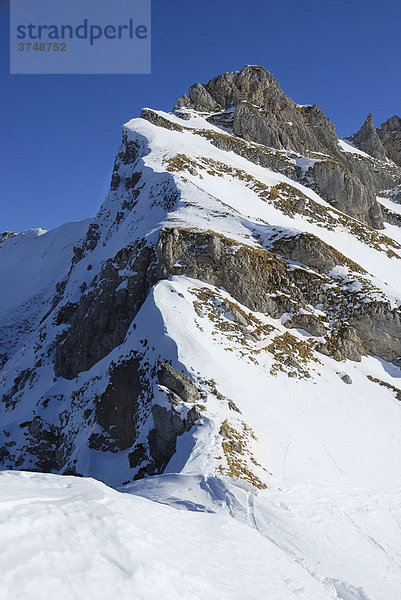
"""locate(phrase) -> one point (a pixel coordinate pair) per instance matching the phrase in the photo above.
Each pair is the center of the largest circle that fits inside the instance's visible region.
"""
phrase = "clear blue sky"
(59, 134)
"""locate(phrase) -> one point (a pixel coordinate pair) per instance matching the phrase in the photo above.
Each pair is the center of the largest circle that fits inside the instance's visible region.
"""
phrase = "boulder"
(179, 383)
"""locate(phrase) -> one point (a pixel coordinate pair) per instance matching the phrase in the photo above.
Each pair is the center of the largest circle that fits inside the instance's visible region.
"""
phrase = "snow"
(392, 205)
(348, 147)
(83, 539)
(31, 264)
(185, 537)
(33, 261)
(204, 198)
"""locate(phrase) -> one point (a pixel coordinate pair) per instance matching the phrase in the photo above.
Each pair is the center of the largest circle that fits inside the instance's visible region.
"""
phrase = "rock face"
(210, 258)
(251, 104)
(310, 250)
(117, 408)
(99, 322)
(343, 343)
(237, 224)
(261, 111)
(368, 139)
(383, 142)
(178, 383)
(390, 136)
(169, 425)
(346, 192)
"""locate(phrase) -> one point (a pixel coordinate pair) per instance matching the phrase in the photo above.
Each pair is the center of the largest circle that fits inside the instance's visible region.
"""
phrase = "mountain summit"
(253, 106)
(368, 140)
(224, 336)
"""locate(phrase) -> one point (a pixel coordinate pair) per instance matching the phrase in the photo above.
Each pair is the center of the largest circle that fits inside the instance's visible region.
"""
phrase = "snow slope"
(76, 538)
(31, 264)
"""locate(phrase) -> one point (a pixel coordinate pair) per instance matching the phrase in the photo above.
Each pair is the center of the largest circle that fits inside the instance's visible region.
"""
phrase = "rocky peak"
(250, 104)
(252, 84)
(260, 111)
(392, 124)
(368, 140)
(390, 136)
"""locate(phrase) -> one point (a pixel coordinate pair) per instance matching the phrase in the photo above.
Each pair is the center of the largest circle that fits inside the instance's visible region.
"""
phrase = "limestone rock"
(252, 105)
(344, 343)
(379, 329)
(178, 382)
(163, 438)
(308, 322)
(309, 250)
(201, 99)
(99, 322)
(339, 186)
(368, 140)
(168, 426)
(390, 136)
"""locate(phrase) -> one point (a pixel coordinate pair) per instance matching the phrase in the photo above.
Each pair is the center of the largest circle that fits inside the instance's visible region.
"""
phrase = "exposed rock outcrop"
(309, 250)
(379, 328)
(178, 383)
(262, 112)
(344, 343)
(117, 408)
(390, 136)
(168, 426)
(251, 104)
(252, 276)
(313, 324)
(368, 140)
(346, 192)
(99, 322)
(210, 258)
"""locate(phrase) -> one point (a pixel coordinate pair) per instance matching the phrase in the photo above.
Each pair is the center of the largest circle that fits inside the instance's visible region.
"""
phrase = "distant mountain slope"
(31, 265)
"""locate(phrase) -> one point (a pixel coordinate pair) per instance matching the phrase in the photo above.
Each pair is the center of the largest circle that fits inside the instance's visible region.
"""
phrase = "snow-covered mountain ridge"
(230, 322)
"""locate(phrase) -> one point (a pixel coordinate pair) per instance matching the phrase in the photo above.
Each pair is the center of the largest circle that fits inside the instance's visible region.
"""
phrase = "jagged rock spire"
(368, 140)
(390, 136)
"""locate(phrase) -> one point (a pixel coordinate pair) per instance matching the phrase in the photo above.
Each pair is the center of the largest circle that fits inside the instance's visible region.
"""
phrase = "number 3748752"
(42, 47)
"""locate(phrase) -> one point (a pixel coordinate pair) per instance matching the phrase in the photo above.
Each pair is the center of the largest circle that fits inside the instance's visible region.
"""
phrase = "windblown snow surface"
(195, 537)
(325, 523)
